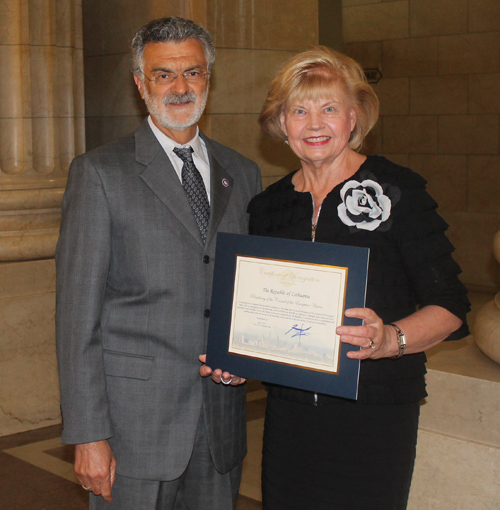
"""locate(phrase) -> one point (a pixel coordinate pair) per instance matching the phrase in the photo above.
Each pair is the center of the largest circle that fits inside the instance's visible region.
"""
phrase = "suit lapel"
(160, 176)
(221, 186)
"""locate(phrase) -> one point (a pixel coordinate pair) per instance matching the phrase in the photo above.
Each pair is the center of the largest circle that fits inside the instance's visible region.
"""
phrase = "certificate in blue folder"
(276, 304)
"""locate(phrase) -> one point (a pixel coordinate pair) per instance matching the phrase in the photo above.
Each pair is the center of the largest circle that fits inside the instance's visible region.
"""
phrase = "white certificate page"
(287, 312)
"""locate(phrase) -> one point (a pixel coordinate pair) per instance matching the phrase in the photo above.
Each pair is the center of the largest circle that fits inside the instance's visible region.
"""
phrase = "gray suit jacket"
(133, 291)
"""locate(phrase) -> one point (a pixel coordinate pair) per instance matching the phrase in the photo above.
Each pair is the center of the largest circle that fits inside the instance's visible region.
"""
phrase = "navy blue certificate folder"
(353, 261)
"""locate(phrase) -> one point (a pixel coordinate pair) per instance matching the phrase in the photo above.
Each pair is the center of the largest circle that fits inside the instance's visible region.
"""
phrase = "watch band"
(401, 341)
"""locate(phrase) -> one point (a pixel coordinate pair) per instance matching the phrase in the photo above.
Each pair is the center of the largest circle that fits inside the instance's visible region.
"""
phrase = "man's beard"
(160, 113)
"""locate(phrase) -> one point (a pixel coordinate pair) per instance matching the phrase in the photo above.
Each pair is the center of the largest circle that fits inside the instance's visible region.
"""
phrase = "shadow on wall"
(277, 154)
(107, 124)
(493, 269)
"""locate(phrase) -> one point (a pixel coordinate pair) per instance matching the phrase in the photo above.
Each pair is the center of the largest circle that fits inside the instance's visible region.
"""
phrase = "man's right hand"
(95, 467)
(218, 375)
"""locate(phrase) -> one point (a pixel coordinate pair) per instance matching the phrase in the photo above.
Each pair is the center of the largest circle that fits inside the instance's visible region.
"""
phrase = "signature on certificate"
(298, 331)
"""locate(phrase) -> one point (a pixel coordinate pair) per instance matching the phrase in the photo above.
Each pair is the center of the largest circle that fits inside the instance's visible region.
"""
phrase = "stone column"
(41, 120)
(41, 131)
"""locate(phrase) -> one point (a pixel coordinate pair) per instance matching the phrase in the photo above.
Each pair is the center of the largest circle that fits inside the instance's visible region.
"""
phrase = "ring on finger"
(372, 343)
(226, 382)
(88, 489)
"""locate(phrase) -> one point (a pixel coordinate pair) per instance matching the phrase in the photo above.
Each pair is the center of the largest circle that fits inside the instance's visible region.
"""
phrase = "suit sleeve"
(82, 262)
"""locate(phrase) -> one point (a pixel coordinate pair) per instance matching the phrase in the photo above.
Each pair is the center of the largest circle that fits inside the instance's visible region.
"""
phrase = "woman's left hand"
(375, 339)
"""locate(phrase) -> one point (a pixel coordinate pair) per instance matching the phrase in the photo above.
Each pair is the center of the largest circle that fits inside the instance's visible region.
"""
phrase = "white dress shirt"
(200, 154)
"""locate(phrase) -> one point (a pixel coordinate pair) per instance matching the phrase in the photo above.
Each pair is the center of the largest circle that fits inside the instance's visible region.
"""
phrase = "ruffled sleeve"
(426, 251)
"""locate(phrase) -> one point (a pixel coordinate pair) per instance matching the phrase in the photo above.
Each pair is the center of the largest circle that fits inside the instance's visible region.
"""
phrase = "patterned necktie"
(196, 193)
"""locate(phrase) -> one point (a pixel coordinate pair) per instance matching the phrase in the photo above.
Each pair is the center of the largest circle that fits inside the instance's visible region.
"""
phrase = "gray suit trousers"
(201, 486)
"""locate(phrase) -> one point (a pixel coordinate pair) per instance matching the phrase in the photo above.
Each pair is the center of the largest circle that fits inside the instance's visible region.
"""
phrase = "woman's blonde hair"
(313, 74)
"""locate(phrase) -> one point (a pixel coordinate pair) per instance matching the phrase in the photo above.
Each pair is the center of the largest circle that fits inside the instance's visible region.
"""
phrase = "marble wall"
(440, 106)
(250, 49)
(41, 131)
(29, 389)
(252, 39)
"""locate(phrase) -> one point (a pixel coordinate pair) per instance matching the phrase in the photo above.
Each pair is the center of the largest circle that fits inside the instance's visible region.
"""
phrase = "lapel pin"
(225, 183)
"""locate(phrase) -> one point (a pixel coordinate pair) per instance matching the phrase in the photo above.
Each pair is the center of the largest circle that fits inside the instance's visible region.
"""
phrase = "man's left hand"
(218, 375)
(95, 468)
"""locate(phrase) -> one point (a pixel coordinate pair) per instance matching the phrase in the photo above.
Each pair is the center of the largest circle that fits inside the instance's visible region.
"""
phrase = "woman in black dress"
(322, 452)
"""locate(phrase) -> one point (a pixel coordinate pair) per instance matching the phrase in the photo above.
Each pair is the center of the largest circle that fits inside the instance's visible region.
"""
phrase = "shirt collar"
(169, 145)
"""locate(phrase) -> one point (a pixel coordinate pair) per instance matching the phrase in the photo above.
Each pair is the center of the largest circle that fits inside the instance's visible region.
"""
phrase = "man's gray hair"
(173, 29)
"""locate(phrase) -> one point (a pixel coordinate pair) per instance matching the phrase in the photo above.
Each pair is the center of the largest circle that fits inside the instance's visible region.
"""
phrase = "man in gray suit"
(134, 275)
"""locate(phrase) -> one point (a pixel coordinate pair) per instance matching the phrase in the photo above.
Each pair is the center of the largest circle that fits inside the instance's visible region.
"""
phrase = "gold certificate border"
(280, 359)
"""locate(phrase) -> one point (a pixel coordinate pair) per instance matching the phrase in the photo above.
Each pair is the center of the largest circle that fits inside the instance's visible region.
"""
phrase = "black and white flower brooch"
(367, 205)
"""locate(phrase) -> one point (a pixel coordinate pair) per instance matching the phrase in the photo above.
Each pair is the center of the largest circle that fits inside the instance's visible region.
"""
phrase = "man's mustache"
(173, 98)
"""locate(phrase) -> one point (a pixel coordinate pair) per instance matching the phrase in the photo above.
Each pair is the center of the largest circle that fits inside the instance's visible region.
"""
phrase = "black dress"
(329, 453)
